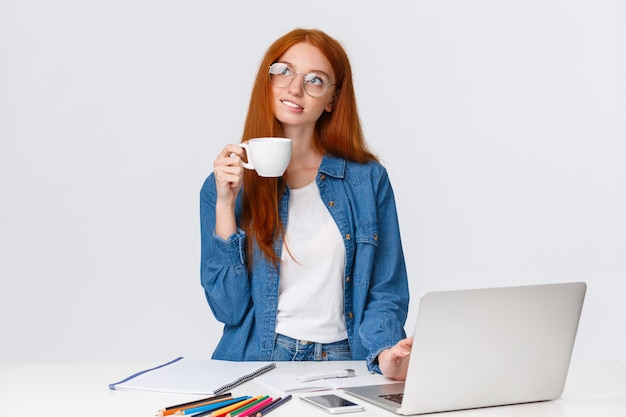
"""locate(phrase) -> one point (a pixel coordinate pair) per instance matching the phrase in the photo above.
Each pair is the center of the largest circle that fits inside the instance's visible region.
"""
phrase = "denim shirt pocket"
(366, 239)
(367, 232)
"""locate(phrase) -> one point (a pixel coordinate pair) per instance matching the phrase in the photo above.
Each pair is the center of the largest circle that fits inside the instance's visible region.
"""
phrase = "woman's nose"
(296, 86)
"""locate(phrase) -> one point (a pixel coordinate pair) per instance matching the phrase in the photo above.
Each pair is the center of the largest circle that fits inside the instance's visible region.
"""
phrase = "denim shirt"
(376, 296)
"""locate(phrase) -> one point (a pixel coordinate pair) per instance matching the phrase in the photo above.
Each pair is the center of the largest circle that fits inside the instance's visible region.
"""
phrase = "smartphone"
(332, 403)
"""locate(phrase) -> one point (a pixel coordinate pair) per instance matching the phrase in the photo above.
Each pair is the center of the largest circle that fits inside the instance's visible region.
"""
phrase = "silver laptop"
(486, 347)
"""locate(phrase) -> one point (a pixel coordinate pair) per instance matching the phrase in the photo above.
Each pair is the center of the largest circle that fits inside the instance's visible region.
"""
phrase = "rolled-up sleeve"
(386, 305)
(223, 271)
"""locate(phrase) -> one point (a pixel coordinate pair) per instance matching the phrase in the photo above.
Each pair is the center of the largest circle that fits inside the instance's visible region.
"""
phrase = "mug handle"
(247, 165)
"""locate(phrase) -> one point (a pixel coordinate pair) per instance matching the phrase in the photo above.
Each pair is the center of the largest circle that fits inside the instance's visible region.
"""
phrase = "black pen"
(274, 404)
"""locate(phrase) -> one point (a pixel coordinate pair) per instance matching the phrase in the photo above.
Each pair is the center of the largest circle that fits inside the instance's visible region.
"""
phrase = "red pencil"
(210, 400)
(273, 405)
(253, 410)
(246, 407)
(223, 411)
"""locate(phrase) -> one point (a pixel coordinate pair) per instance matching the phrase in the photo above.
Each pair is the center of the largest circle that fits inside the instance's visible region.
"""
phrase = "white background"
(502, 124)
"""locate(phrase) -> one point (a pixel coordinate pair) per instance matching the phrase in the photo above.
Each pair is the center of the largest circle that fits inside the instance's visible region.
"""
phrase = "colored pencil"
(238, 411)
(209, 413)
(209, 400)
(223, 411)
(210, 407)
(252, 411)
(273, 405)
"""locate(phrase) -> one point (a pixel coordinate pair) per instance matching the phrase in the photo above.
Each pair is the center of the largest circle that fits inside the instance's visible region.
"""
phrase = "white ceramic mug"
(269, 157)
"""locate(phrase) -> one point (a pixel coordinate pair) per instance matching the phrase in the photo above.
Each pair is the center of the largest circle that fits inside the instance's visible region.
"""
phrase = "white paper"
(190, 376)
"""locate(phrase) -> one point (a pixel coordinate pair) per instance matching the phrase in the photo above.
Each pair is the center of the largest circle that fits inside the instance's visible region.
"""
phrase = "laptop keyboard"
(397, 398)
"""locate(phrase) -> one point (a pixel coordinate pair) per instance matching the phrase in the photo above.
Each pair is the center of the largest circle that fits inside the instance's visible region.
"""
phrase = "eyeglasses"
(315, 84)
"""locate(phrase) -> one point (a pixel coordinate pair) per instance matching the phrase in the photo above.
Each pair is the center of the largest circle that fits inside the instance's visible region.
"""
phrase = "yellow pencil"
(210, 400)
(223, 411)
(246, 407)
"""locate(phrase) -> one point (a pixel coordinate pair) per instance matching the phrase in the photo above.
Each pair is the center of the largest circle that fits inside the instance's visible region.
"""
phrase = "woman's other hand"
(394, 362)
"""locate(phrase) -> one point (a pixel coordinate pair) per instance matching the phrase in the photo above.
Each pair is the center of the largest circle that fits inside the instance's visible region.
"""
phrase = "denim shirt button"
(331, 203)
(376, 236)
(322, 177)
(350, 315)
(348, 237)
(347, 279)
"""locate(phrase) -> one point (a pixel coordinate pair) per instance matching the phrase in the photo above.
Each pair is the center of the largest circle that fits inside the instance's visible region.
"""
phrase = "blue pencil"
(210, 407)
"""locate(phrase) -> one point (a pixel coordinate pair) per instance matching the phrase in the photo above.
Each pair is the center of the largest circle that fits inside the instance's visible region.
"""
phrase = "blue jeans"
(288, 349)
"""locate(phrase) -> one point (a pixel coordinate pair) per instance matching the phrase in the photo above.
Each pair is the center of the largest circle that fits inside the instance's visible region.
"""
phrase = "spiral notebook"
(193, 376)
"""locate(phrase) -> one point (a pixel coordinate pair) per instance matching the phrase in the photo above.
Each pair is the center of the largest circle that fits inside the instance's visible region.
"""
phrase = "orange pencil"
(211, 400)
(246, 407)
(206, 410)
(223, 411)
(256, 408)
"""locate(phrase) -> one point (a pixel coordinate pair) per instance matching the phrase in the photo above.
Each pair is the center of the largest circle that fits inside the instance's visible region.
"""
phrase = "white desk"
(594, 388)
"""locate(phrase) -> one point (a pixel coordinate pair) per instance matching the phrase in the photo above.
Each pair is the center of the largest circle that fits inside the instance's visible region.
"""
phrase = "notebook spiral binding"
(245, 378)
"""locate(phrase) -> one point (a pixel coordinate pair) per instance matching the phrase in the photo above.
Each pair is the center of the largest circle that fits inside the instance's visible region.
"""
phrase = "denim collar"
(333, 166)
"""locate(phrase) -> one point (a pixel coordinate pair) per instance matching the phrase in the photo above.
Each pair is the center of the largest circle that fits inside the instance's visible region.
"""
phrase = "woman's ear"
(331, 104)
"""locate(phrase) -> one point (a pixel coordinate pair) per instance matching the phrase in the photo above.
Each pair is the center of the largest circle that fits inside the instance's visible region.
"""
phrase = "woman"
(308, 266)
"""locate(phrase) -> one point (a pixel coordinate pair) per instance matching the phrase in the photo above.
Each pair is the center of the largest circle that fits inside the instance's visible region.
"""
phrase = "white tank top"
(310, 301)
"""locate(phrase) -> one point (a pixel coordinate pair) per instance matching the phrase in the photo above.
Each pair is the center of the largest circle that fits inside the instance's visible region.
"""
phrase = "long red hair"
(337, 133)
